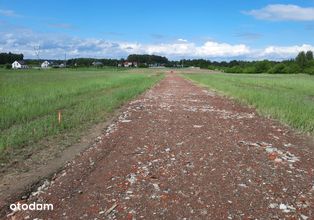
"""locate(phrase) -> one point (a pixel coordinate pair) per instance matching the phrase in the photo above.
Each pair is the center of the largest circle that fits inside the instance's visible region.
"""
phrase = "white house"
(130, 64)
(127, 64)
(45, 64)
(19, 65)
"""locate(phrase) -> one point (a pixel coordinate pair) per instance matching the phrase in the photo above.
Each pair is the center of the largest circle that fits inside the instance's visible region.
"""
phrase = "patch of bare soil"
(182, 152)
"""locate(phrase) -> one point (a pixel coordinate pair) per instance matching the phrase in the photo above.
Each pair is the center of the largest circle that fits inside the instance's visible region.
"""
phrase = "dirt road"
(181, 152)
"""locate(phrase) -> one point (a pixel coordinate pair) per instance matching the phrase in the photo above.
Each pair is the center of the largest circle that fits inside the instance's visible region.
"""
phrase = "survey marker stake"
(59, 116)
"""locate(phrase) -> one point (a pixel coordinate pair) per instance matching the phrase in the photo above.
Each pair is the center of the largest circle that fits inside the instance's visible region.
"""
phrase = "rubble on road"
(279, 156)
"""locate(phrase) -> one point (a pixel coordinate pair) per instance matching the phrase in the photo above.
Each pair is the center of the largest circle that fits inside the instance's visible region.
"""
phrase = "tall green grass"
(30, 100)
(289, 98)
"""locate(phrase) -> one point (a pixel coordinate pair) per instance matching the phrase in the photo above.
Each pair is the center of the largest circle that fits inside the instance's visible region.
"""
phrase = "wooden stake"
(59, 117)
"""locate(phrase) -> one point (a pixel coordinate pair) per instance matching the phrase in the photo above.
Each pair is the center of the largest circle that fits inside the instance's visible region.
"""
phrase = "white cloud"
(281, 12)
(188, 49)
(8, 13)
(284, 52)
(54, 47)
(182, 40)
(215, 49)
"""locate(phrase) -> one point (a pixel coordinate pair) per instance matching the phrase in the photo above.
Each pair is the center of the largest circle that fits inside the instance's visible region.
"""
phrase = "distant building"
(128, 64)
(97, 64)
(19, 65)
(45, 64)
(62, 65)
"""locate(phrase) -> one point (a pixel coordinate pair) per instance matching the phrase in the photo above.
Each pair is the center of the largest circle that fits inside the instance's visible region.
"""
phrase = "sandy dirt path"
(181, 152)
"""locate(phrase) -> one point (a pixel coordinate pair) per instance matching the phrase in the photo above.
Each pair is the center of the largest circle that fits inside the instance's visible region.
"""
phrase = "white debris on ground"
(222, 113)
(283, 207)
(242, 185)
(42, 188)
(126, 121)
(281, 155)
(131, 178)
(304, 217)
(184, 105)
(273, 153)
(110, 129)
(123, 118)
(286, 208)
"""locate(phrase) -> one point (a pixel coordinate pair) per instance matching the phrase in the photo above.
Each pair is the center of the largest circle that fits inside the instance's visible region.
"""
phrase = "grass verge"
(30, 101)
(289, 98)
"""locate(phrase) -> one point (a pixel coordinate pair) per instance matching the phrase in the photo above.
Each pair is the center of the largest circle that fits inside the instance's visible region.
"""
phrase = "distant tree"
(234, 63)
(262, 66)
(10, 57)
(8, 66)
(278, 68)
(301, 60)
(309, 55)
(86, 62)
(234, 69)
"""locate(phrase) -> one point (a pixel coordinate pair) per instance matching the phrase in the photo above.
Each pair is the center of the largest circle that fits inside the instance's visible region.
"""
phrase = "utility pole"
(37, 51)
(65, 60)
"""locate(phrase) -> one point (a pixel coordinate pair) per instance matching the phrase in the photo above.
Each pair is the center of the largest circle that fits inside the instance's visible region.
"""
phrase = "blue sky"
(217, 30)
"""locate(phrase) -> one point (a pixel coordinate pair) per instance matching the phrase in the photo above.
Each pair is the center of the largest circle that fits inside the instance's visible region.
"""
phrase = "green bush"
(142, 65)
(278, 68)
(285, 68)
(235, 69)
(262, 66)
(8, 66)
(249, 69)
(292, 68)
(309, 70)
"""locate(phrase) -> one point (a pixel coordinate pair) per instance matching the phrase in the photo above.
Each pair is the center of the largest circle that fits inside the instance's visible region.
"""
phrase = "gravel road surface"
(182, 152)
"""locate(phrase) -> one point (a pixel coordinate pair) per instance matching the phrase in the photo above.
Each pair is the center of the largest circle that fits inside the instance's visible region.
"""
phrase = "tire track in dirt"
(181, 152)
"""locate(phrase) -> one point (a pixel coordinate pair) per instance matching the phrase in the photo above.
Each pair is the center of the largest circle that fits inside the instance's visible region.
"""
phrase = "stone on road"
(182, 152)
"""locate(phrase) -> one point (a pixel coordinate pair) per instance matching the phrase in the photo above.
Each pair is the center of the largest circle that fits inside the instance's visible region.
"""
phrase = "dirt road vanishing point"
(182, 152)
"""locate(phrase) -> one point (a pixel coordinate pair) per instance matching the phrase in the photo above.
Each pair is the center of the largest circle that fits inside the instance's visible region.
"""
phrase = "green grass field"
(30, 100)
(289, 98)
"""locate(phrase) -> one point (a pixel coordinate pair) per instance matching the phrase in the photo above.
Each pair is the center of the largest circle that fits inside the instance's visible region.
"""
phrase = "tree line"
(8, 58)
(303, 63)
(86, 62)
(143, 60)
(147, 59)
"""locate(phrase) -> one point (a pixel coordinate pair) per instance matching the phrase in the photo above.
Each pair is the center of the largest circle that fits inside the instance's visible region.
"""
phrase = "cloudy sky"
(216, 29)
